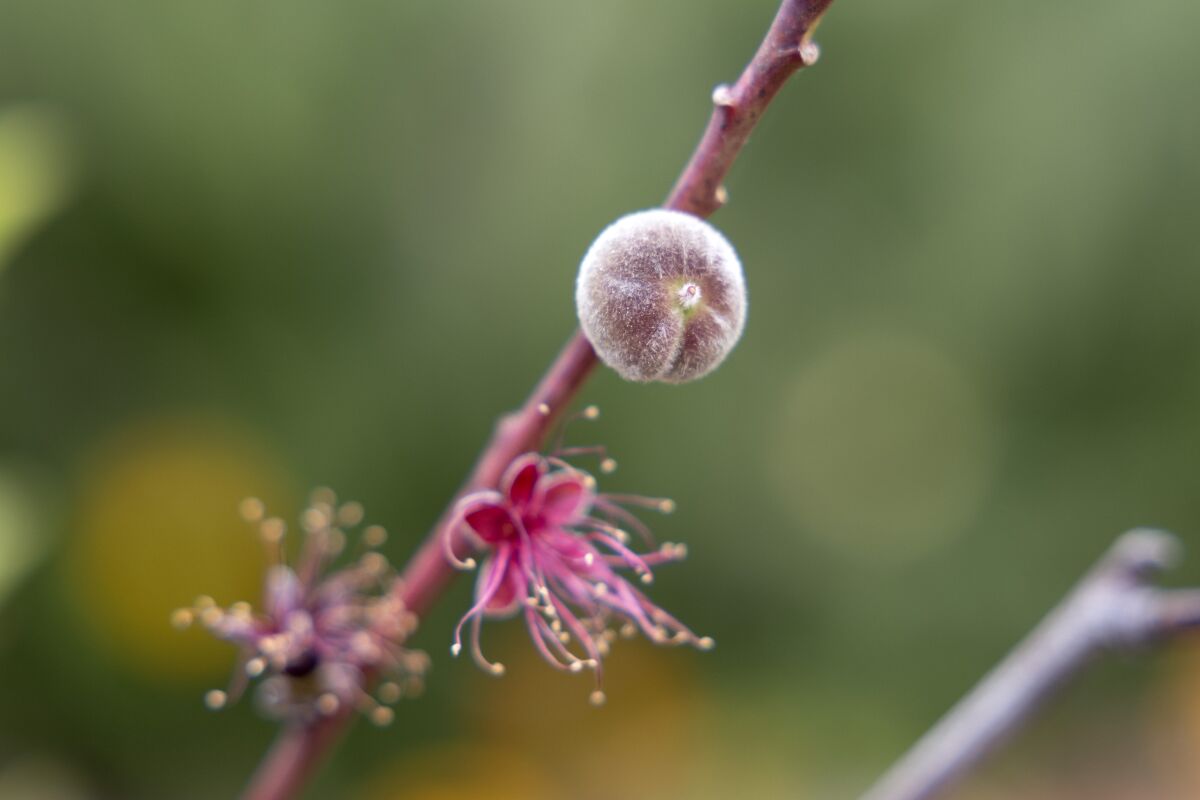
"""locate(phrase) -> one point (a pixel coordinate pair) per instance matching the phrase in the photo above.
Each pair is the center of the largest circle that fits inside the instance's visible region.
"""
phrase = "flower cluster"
(323, 633)
(554, 547)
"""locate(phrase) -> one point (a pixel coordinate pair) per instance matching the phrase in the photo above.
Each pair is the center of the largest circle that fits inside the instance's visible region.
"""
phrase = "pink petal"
(508, 596)
(521, 479)
(569, 546)
(564, 498)
(490, 521)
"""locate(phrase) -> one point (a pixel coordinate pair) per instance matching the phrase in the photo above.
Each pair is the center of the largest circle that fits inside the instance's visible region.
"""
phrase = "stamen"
(215, 699)
(448, 548)
(252, 509)
(477, 650)
(382, 716)
(314, 519)
(350, 514)
(374, 536)
(328, 704)
(272, 530)
(389, 691)
(705, 643)
(608, 466)
(323, 495)
(182, 618)
(597, 698)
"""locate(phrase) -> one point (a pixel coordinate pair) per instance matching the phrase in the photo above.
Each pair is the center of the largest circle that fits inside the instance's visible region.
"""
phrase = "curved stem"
(785, 49)
(294, 757)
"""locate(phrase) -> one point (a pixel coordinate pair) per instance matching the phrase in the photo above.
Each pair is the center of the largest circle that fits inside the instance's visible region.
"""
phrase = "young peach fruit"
(661, 296)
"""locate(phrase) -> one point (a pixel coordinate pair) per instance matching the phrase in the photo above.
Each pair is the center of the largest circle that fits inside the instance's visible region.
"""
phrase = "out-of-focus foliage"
(34, 164)
(250, 248)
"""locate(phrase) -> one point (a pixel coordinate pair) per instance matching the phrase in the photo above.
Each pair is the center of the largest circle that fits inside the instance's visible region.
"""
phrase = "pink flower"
(323, 633)
(554, 546)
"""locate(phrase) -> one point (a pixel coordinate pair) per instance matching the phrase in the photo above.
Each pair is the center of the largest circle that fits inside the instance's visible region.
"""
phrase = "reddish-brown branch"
(298, 750)
(294, 757)
(428, 572)
(785, 49)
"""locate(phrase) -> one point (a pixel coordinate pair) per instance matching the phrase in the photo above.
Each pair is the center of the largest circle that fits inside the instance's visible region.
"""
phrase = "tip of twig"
(1145, 550)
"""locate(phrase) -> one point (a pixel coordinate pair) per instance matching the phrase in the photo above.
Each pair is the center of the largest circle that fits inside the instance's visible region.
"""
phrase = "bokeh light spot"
(884, 447)
(464, 772)
(640, 743)
(157, 524)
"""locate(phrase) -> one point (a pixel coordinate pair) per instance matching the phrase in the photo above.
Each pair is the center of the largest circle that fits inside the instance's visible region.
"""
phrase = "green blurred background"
(253, 247)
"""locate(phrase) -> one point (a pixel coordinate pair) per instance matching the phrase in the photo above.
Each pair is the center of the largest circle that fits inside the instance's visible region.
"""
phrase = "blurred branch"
(785, 49)
(1115, 606)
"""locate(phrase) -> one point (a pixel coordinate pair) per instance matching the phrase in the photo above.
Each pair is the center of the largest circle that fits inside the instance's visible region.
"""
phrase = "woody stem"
(786, 48)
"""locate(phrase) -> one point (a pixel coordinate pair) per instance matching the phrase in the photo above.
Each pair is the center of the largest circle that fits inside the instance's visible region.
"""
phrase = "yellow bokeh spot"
(35, 170)
(654, 716)
(884, 447)
(156, 525)
(464, 772)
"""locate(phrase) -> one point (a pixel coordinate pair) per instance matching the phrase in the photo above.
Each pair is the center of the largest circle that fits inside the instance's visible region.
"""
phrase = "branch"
(1114, 607)
(785, 49)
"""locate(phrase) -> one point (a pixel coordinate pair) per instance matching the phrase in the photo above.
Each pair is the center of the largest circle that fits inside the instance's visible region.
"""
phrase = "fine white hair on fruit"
(661, 296)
